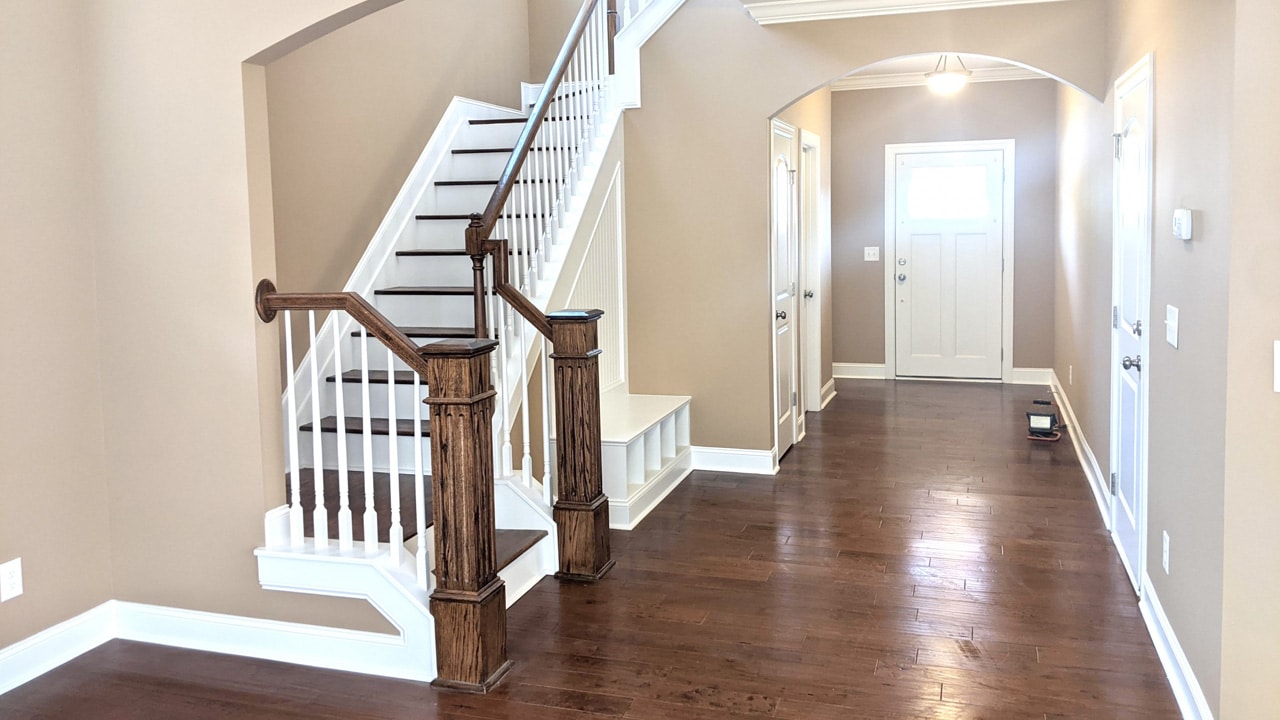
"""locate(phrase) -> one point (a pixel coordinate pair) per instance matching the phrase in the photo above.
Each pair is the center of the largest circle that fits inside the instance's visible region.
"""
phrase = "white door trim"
(811, 243)
(891, 153)
(1142, 71)
(778, 126)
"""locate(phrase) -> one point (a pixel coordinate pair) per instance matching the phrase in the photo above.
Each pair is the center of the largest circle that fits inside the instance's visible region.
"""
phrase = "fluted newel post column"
(582, 510)
(469, 602)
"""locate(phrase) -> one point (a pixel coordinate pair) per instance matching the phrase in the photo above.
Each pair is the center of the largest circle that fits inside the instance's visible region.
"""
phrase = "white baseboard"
(858, 371)
(310, 645)
(626, 513)
(1088, 461)
(1186, 688)
(28, 659)
(1029, 376)
(828, 393)
(756, 462)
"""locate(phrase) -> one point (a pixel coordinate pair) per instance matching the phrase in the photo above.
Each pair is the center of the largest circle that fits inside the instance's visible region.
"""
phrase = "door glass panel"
(948, 193)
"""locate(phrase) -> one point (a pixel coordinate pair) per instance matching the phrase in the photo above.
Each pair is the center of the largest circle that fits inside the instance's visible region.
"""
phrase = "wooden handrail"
(269, 302)
(489, 218)
(482, 225)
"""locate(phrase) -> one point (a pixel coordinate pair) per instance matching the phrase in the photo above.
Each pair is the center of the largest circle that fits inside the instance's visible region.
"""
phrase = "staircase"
(389, 501)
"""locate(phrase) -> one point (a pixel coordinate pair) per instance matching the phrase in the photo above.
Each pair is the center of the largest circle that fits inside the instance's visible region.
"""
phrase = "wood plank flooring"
(917, 557)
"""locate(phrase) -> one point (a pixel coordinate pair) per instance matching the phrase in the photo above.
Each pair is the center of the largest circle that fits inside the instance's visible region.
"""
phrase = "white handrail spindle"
(344, 477)
(526, 459)
(370, 512)
(395, 535)
(319, 516)
(292, 432)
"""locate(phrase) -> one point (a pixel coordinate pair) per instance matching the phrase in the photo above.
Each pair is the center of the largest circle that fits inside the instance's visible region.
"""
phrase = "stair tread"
(445, 253)
(376, 377)
(513, 543)
(377, 426)
(381, 502)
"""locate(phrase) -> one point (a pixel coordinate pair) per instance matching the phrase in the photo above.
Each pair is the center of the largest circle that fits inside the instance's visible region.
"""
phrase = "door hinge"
(1114, 482)
(794, 400)
(1118, 140)
(1115, 317)
(792, 173)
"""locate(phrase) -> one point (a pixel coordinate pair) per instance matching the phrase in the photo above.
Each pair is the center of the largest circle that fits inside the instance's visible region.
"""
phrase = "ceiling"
(767, 12)
(909, 71)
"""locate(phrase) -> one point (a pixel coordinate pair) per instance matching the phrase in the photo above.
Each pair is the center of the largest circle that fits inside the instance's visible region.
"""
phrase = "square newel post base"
(471, 638)
(584, 539)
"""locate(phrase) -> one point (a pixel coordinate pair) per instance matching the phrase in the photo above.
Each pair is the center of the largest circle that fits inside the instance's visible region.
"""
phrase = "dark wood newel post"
(582, 510)
(469, 603)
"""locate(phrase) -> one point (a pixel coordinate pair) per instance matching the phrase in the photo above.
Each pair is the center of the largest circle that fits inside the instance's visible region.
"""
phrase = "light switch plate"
(1171, 325)
(871, 254)
(1182, 225)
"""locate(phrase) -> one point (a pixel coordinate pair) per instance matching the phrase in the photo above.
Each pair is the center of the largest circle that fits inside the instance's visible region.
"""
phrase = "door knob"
(1129, 363)
(902, 277)
(781, 315)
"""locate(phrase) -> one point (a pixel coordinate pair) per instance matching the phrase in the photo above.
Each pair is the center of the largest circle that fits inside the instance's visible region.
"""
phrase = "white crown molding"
(897, 80)
(788, 11)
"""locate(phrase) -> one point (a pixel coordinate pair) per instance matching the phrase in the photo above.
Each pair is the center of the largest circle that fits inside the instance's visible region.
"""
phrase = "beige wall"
(1251, 583)
(1192, 44)
(865, 121)
(351, 112)
(549, 22)
(181, 348)
(698, 183)
(812, 114)
(53, 514)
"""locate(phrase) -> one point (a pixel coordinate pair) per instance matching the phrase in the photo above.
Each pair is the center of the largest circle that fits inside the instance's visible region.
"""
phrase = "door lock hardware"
(808, 294)
(780, 315)
(902, 277)
(902, 262)
(1132, 363)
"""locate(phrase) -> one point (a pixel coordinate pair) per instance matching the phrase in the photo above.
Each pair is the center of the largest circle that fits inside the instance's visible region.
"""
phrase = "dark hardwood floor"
(917, 557)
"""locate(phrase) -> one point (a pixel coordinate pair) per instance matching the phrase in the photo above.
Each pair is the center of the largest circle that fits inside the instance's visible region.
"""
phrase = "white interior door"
(785, 263)
(949, 264)
(1132, 248)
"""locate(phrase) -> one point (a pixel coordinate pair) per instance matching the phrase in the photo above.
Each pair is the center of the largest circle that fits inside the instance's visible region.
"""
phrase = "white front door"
(784, 261)
(1130, 316)
(948, 264)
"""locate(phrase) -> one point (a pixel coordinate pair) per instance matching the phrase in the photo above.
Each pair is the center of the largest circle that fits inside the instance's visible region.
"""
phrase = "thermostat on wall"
(1182, 224)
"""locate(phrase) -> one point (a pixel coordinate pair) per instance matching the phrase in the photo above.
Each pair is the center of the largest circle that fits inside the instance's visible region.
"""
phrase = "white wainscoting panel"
(601, 284)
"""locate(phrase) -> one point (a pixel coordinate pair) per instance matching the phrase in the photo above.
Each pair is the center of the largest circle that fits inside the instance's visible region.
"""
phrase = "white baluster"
(504, 397)
(420, 489)
(526, 460)
(344, 477)
(291, 433)
(546, 423)
(396, 535)
(319, 516)
(370, 512)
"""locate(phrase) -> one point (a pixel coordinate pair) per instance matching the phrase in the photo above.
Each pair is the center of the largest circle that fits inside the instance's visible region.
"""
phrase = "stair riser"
(506, 134)
(405, 400)
(429, 310)
(488, 136)
(355, 452)
(428, 271)
(434, 235)
(467, 199)
(485, 166)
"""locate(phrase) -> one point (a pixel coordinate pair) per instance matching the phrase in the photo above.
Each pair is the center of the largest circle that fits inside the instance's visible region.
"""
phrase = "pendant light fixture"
(946, 81)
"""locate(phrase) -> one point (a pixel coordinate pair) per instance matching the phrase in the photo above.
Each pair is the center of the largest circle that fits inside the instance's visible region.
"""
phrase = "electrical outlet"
(1164, 556)
(871, 254)
(10, 580)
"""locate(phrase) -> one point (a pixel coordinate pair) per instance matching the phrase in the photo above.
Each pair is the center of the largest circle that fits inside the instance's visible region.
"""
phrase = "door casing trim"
(891, 153)
(1144, 69)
